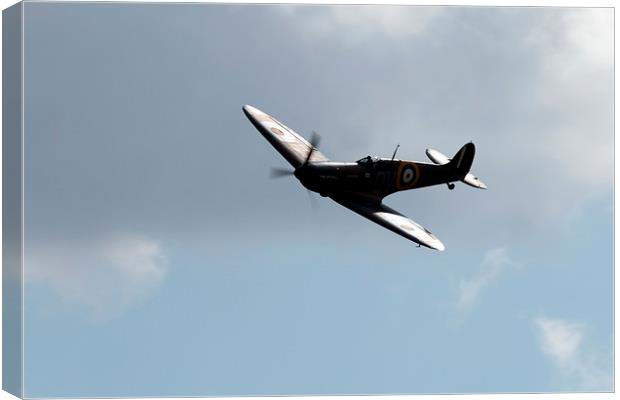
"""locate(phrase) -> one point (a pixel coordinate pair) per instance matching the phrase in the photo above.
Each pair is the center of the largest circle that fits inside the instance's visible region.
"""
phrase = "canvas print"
(302, 199)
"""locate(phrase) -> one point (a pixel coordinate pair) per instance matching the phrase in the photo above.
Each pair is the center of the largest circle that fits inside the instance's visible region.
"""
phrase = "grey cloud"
(140, 126)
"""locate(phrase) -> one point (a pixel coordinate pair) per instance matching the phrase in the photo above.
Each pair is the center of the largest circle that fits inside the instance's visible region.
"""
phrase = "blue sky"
(161, 260)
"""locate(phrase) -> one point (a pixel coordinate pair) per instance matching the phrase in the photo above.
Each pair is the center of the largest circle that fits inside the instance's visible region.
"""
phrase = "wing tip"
(433, 243)
(438, 246)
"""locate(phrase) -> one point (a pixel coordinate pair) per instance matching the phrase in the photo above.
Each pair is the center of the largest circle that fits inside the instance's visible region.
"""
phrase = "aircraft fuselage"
(332, 177)
(371, 177)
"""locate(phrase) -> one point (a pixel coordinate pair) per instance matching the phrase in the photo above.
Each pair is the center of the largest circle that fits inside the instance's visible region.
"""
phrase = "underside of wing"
(289, 143)
(394, 221)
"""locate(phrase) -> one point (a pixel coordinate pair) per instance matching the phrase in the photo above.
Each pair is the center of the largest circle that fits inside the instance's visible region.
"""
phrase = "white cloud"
(543, 123)
(532, 88)
(103, 276)
(494, 262)
(559, 339)
(562, 343)
(578, 52)
(573, 39)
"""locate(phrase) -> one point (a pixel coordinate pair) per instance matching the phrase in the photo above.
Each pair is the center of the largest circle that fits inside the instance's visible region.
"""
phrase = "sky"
(161, 260)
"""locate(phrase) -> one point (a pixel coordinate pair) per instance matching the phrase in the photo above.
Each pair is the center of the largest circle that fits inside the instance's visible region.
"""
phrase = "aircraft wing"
(394, 221)
(289, 143)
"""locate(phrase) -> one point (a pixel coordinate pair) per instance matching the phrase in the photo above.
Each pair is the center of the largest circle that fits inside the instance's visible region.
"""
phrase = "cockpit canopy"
(367, 160)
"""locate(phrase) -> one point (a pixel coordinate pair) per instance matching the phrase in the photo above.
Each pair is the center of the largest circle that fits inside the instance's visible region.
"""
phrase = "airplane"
(361, 186)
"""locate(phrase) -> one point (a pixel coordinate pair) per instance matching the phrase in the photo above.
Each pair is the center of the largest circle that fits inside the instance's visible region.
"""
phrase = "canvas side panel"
(12, 200)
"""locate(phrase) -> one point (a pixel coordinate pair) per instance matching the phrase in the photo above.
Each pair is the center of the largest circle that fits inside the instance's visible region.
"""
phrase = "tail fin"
(463, 159)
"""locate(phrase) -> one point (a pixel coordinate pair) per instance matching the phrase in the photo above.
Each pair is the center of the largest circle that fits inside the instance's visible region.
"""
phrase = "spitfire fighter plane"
(362, 185)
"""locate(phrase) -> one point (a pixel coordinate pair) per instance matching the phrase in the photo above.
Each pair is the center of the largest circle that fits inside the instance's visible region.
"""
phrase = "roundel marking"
(277, 131)
(407, 227)
(408, 175)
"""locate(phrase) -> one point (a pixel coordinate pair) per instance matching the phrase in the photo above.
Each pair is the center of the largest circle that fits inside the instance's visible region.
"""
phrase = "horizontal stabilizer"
(472, 180)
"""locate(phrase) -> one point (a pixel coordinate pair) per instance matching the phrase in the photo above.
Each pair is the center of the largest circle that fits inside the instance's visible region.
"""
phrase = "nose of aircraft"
(302, 172)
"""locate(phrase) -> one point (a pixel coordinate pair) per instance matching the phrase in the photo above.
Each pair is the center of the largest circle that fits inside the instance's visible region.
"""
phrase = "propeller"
(314, 142)
(313, 203)
(280, 172)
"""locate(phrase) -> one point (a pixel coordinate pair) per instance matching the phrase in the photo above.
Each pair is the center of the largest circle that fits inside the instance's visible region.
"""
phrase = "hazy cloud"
(562, 343)
(103, 276)
(494, 262)
(353, 24)
(560, 339)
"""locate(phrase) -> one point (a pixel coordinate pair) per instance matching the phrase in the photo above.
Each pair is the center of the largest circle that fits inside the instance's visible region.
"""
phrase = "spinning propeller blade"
(314, 142)
(313, 203)
(280, 172)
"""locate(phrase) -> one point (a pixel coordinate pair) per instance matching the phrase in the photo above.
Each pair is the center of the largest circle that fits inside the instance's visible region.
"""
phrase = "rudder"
(463, 160)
